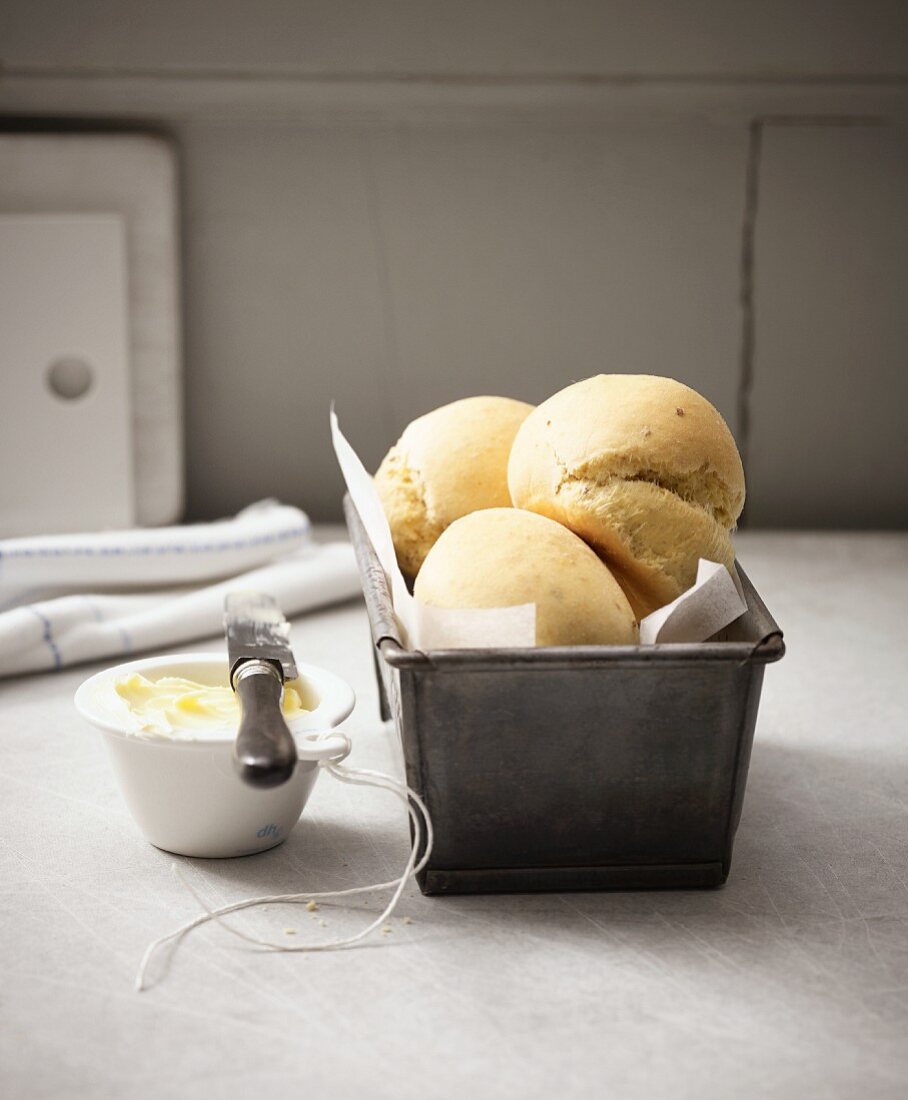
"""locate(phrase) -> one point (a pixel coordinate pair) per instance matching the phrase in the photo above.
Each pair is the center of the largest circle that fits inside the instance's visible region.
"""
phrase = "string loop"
(358, 777)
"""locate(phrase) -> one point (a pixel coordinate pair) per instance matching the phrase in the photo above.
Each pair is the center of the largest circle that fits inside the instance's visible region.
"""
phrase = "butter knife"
(261, 662)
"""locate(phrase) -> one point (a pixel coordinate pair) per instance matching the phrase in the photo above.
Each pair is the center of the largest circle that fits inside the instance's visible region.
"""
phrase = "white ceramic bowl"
(183, 792)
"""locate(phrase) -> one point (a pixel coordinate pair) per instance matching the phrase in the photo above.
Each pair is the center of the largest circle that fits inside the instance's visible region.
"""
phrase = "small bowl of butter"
(169, 725)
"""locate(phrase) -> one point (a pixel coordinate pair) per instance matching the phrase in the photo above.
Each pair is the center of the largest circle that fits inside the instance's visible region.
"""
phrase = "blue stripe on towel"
(141, 551)
(48, 636)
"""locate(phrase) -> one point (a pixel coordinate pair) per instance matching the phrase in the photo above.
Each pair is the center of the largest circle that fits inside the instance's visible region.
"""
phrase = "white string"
(359, 777)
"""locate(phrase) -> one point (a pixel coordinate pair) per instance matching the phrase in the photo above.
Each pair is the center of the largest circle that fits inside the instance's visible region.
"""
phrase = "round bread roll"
(502, 557)
(447, 463)
(644, 469)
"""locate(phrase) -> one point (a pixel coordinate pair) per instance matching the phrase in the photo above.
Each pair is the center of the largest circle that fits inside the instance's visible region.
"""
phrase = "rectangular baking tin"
(582, 768)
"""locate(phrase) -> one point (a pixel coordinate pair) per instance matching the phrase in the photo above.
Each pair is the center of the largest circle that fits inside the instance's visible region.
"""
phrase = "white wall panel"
(829, 440)
(397, 269)
(285, 313)
(520, 258)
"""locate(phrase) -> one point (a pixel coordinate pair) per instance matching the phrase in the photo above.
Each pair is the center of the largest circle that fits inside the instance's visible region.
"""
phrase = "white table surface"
(791, 981)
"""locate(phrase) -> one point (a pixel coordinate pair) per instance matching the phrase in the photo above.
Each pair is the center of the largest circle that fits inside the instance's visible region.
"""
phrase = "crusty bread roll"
(502, 557)
(644, 469)
(447, 463)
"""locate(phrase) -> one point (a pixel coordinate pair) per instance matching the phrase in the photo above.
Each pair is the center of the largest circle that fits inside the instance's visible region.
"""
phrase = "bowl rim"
(336, 700)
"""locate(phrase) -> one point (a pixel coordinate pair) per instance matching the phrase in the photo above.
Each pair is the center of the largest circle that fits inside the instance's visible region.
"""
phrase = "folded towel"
(57, 612)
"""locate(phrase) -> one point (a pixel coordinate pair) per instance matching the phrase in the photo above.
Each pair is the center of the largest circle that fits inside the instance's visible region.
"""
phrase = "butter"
(173, 705)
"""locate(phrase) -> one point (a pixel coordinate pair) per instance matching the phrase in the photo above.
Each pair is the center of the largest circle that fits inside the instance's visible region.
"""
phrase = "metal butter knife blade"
(256, 630)
(261, 661)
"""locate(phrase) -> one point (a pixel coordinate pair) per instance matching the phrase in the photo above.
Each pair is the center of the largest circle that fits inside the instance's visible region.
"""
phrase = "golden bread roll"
(644, 469)
(502, 557)
(448, 463)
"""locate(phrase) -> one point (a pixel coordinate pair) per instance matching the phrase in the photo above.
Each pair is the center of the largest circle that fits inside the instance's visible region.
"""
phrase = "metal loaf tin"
(582, 768)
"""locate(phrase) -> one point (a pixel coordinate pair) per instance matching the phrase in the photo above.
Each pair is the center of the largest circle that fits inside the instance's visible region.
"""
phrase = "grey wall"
(394, 205)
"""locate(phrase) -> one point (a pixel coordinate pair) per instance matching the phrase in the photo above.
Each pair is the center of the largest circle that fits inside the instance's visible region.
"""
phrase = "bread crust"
(502, 557)
(446, 464)
(642, 468)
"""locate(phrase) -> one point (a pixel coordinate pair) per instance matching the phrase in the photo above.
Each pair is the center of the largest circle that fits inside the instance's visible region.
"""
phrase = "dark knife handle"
(264, 753)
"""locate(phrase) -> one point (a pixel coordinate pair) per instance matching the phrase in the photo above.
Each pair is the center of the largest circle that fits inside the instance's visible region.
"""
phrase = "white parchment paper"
(715, 600)
(422, 626)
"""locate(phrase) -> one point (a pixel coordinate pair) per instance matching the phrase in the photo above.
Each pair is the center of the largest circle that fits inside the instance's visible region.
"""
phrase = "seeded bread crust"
(502, 557)
(642, 468)
(448, 463)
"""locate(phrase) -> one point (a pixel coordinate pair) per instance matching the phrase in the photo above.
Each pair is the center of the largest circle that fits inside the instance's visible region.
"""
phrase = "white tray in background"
(134, 176)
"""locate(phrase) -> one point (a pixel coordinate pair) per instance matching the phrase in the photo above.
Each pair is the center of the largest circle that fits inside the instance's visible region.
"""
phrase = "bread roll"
(644, 469)
(502, 557)
(446, 464)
